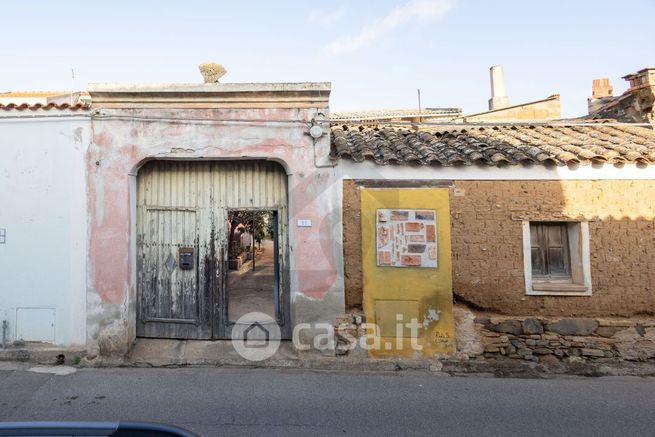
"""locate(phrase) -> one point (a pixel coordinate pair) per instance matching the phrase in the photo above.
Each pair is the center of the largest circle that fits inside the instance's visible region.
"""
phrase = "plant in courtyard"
(257, 223)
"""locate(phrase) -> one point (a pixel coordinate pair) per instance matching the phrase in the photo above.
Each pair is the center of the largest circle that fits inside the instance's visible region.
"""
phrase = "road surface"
(220, 401)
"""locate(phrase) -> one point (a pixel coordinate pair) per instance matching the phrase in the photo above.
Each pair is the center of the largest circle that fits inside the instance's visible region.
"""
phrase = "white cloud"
(415, 10)
(325, 18)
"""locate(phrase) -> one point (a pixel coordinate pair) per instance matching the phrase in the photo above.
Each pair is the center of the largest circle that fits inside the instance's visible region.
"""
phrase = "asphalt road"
(290, 402)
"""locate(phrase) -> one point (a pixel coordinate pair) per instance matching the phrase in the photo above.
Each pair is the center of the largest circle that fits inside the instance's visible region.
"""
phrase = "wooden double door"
(183, 238)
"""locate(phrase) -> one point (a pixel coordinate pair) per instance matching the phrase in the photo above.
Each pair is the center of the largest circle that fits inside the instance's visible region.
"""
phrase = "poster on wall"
(406, 238)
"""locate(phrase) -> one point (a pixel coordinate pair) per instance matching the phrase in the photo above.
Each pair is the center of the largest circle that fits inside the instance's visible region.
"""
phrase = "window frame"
(579, 283)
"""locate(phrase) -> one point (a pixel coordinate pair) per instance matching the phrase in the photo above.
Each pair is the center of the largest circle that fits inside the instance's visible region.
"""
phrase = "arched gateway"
(211, 247)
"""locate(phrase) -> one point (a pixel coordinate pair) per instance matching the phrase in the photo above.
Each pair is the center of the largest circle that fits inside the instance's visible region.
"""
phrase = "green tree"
(257, 223)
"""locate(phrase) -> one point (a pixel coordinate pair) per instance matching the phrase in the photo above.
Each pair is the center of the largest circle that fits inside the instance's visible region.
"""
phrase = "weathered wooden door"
(172, 303)
(174, 226)
(182, 243)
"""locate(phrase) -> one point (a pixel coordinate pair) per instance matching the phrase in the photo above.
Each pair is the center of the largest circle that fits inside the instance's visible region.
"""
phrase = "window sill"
(559, 288)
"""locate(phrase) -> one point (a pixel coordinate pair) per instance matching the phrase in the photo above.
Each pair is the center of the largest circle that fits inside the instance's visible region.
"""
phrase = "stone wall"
(570, 340)
(547, 340)
(487, 252)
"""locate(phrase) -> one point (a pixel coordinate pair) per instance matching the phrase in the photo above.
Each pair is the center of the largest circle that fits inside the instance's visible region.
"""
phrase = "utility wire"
(333, 122)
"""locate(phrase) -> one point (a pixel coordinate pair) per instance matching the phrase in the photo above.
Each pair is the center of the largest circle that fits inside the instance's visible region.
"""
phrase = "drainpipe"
(5, 326)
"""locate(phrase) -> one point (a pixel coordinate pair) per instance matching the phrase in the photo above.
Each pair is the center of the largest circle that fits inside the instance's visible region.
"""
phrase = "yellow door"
(407, 272)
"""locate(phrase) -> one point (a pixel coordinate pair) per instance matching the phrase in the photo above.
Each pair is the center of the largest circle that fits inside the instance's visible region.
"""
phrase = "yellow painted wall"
(408, 290)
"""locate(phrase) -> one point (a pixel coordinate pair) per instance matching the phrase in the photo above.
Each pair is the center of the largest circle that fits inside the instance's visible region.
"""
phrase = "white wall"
(370, 170)
(43, 209)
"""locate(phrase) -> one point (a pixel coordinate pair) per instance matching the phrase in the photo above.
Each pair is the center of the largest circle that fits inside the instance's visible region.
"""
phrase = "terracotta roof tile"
(388, 114)
(44, 106)
(496, 145)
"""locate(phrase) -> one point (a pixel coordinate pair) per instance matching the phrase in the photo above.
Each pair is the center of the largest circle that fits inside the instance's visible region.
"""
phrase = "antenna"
(72, 85)
(419, 104)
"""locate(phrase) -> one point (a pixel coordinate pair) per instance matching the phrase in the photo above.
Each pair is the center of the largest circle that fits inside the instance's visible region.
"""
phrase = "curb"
(501, 367)
(506, 368)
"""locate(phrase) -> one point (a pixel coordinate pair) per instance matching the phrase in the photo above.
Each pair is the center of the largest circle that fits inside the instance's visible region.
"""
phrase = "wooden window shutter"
(537, 250)
(550, 250)
(558, 250)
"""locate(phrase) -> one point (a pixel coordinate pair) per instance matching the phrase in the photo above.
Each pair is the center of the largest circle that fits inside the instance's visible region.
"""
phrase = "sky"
(375, 53)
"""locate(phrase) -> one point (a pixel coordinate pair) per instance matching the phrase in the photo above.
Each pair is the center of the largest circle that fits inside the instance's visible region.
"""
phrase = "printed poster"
(406, 238)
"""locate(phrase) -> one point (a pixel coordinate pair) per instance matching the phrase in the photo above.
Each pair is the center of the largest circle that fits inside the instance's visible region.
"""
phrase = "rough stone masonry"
(568, 339)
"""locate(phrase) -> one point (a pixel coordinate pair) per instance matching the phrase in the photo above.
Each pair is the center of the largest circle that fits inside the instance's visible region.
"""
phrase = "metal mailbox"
(186, 258)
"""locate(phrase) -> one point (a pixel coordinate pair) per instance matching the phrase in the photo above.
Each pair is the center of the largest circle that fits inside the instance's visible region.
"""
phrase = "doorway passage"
(253, 278)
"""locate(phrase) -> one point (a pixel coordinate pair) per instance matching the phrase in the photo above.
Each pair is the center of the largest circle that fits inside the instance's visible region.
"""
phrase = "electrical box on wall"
(35, 324)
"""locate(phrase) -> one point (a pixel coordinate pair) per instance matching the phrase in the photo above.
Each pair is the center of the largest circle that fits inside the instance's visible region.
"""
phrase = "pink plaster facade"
(126, 135)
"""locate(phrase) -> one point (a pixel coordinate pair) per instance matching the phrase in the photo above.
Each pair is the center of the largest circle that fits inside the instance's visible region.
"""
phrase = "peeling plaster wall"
(122, 144)
(43, 209)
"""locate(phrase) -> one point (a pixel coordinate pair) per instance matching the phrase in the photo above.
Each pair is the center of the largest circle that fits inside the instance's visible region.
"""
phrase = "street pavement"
(224, 401)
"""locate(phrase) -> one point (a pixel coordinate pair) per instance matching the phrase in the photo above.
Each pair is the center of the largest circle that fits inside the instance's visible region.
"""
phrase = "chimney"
(644, 77)
(498, 98)
(601, 88)
(636, 105)
(601, 94)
